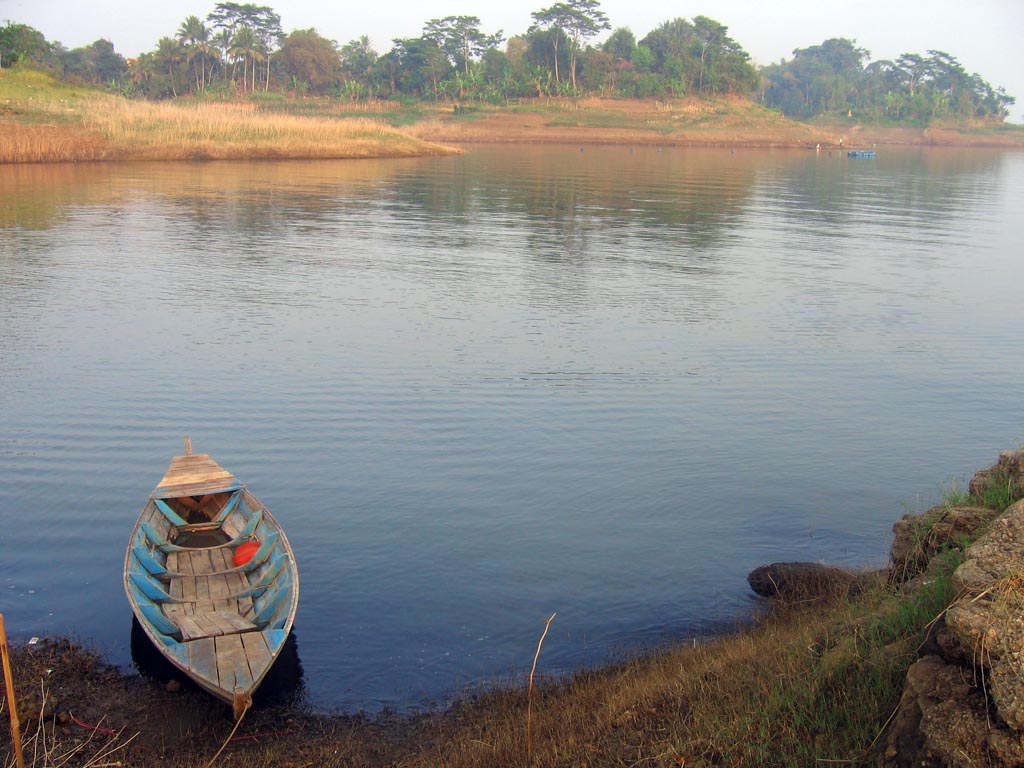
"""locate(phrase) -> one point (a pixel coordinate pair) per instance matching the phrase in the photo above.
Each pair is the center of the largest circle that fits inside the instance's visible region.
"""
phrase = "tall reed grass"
(168, 131)
(49, 143)
(108, 127)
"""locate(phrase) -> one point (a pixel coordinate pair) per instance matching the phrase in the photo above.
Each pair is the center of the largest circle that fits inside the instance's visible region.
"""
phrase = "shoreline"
(818, 674)
(46, 121)
(724, 124)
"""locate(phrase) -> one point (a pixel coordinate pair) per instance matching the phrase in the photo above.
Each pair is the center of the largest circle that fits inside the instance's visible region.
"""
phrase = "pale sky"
(986, 36)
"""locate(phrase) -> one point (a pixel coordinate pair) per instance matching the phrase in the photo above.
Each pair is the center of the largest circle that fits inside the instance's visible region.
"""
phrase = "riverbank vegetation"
(45, 121)
(235, 86)
(813, 680)
(242, 49)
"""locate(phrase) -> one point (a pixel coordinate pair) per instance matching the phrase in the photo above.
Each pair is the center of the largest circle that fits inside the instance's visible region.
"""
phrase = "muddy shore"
(729, 123)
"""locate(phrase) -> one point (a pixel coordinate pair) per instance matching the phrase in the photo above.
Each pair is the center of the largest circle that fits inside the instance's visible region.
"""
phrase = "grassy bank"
(812, 681)
(44, 121)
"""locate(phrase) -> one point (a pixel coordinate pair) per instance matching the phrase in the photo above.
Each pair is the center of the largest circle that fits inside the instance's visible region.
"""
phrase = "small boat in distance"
(861, 153)
(211, 578)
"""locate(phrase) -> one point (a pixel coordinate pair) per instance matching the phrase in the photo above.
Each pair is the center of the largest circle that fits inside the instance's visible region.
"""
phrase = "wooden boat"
(211, 578)
(860, 153)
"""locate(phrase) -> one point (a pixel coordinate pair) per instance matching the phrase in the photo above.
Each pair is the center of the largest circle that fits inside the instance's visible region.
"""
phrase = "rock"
(173, 686)
(987, 621)
(996, 553)
(919, 537)
(33, 708)
(1009, 468)
(942, 721)
(801, 581)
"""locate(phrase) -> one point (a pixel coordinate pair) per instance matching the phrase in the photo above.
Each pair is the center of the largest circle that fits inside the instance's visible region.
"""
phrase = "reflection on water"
(477, 390)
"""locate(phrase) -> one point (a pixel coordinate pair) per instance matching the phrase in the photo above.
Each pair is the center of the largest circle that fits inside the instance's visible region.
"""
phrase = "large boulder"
(988, 619)
(1008, 469)
(801, 581)
(918, 538)
(942, 722)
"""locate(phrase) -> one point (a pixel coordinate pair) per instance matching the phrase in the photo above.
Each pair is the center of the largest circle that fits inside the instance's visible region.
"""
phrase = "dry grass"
(41, 121)
(794, 690)
(167, 131)
(50, 143)
(804, 686)
(46, 748)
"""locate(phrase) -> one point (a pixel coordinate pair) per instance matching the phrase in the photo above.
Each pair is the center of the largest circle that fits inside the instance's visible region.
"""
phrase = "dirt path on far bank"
(696, 123)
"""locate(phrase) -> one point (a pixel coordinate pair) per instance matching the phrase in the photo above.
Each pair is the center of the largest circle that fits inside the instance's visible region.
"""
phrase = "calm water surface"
(482, 389)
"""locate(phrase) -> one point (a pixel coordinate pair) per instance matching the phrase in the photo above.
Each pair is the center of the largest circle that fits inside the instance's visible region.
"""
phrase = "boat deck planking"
(229, 661)
(194, 475)
(207, 590)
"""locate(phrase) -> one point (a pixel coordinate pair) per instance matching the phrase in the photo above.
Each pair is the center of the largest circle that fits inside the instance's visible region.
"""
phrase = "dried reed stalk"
(242, 703)
(9, 686)
(529, 692)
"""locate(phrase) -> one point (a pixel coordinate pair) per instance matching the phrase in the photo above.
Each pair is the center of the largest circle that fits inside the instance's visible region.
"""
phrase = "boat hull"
(218, 611)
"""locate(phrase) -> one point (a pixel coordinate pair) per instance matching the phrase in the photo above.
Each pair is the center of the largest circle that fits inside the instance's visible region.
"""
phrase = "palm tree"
(222, 45)
(169, 53)
(247, 46)
(195, 36)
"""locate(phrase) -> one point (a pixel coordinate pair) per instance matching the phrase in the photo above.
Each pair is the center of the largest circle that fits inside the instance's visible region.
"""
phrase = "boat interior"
(217, 592)
(196, 510)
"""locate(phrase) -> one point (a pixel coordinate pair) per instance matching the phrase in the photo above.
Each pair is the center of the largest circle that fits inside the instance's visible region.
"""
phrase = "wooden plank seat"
(208, 599)
(211, 624)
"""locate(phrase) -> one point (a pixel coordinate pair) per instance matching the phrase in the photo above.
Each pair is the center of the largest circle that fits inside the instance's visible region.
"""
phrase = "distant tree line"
(241, 49)
(832, 79)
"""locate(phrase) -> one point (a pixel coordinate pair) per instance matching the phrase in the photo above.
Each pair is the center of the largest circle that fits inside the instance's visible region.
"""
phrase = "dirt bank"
(723, 122)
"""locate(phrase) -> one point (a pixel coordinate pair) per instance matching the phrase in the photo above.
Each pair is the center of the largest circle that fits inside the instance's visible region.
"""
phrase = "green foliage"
(998, 491)
(700, 57)
(954, 495)
(461, 39)
(22, 44)
(267, 97)
(830, 79)
(240, 48)
(310, 61)
(574, 21)
(98, 64)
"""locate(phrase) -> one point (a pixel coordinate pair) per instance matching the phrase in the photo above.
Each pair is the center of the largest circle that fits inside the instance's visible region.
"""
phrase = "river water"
(480, 390)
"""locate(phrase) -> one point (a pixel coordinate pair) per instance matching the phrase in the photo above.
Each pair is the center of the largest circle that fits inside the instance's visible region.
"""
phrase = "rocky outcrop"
(963, 700)
(918, 538)
(942, 721)
(801, 581)
(1008, 471)
(963, 704)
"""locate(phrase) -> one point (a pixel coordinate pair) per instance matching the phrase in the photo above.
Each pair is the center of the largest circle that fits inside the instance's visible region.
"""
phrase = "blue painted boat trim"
(262, 553)
(170, 514)
(250, 527)
(232, 502)
(149, 588)
(274, 600)
(275, 639)
(153, 615)
(147, 561)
